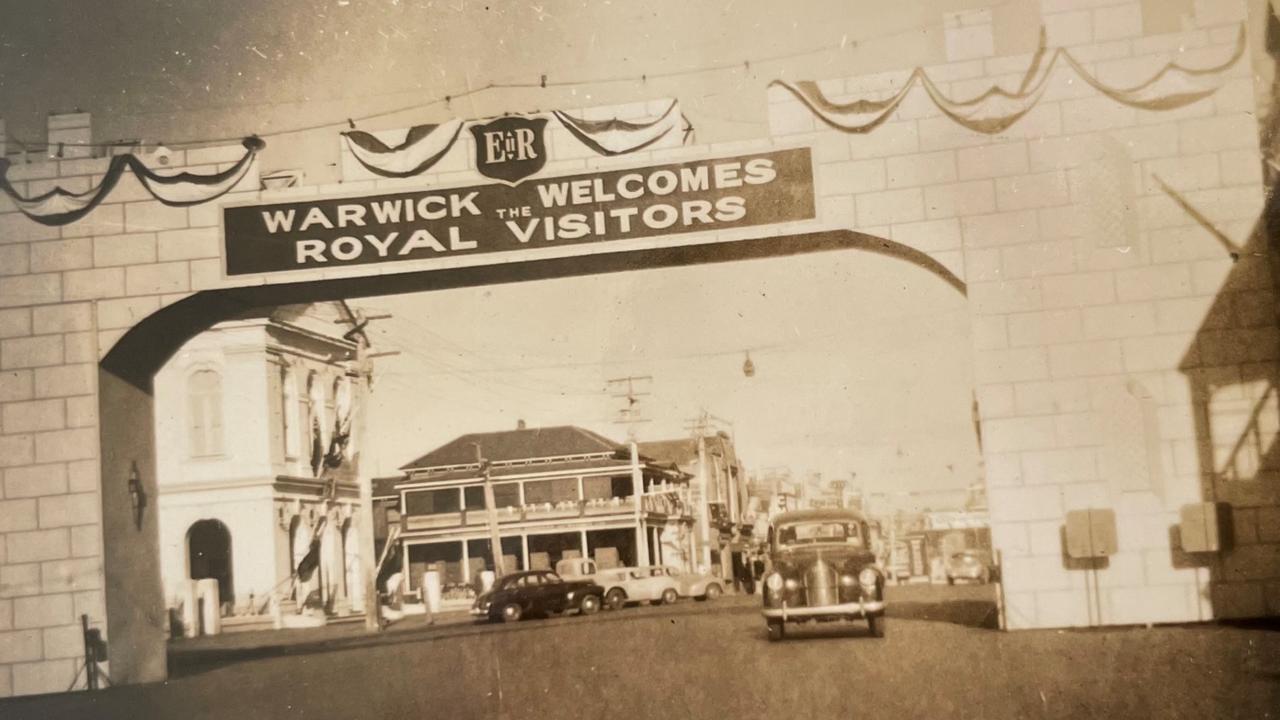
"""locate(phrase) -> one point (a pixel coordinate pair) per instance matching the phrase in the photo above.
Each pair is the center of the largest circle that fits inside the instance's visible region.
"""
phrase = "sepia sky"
(862, 364)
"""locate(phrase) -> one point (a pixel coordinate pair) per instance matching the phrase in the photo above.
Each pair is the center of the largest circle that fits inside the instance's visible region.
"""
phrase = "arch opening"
(134, 596)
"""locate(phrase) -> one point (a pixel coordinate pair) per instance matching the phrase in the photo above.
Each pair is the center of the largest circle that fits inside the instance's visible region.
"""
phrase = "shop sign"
(660, 200)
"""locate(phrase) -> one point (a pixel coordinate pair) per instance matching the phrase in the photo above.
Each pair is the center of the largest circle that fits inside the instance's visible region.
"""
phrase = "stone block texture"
(1122, 304)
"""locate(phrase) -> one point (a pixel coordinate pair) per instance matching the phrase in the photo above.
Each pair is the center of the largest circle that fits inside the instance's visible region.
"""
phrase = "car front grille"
(820, 584)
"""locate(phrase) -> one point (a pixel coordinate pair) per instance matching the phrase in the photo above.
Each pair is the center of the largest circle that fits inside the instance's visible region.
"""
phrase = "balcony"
(668, 501)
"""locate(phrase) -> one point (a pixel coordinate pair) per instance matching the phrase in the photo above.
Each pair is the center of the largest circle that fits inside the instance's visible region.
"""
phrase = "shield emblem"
(510, 149)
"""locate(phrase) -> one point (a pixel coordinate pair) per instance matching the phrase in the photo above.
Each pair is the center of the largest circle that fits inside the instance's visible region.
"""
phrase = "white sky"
(863, 364)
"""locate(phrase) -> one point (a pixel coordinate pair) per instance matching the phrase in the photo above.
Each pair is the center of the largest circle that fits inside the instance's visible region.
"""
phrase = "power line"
(642, 78)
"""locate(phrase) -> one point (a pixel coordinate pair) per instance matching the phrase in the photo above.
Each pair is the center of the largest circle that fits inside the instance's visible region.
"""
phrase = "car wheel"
(616, 599)
(777, 630)
(876, 623)
(669, 597)
(590, 605)
(713, 592)
(511, 612)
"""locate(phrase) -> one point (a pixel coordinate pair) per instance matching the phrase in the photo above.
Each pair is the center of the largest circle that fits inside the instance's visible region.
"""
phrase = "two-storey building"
(719, 492)
(256, 460)
(559, 492)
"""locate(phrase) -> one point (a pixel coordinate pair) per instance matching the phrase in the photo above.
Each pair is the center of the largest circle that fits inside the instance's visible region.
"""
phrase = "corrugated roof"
(385, 486)
(681, 452)
(500, 472)
(510, 445)
(684, 451)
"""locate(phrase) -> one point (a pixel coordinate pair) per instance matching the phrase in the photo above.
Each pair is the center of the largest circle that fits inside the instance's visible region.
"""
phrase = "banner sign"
(699, 196)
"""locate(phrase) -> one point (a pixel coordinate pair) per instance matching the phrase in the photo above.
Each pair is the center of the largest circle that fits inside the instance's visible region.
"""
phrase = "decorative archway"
(134, 597)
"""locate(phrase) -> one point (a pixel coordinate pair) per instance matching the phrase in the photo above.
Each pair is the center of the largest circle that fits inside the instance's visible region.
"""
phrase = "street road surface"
(712, 660)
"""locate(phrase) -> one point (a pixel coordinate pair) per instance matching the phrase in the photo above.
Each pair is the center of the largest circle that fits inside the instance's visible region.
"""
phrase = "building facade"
(723, 513)
(254, 464)
(559, 492)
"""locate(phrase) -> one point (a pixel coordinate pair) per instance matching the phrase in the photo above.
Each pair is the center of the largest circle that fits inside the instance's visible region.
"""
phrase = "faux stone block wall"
(1121, 354)
(1123, 307)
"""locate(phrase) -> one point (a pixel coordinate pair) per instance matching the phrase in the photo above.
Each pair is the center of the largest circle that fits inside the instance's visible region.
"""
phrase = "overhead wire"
(542, 83)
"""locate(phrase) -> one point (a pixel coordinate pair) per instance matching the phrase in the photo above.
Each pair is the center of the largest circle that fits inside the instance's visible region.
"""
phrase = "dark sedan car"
(536, 592)
(823, 570)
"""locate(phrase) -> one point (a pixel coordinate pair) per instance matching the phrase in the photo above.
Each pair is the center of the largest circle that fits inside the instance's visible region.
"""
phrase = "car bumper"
(477, 612)
(859, 609)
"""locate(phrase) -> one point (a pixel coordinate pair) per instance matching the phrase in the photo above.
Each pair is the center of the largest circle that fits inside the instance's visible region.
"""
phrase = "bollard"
(210, 606)
(431, 590)
(190, 610)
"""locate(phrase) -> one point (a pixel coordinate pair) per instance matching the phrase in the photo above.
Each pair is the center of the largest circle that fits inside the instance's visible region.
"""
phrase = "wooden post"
(491, 510)
(637, 482)
(368, 560)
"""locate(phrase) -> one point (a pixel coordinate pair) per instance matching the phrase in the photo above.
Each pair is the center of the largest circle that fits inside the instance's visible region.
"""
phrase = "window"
(474, 497)
(597, 488)
(506, 495)
(319, 429)
(431, 502)
(551, 491)
(204, 402)
(289, 396)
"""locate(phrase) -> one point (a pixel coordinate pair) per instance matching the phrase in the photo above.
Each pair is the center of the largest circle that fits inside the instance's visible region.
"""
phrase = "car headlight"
(868, 577)
(848, 580)
(774, 582)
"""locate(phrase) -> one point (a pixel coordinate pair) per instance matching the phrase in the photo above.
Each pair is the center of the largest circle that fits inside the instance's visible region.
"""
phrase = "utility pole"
(698, 428)
(359, 426)
(630, 416)
(491, 510)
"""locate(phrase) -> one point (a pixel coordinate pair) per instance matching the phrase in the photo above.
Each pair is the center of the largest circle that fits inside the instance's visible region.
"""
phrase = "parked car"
(537, 592)
(650, 583)
(701, 586)
(972, 566)
(823, 570)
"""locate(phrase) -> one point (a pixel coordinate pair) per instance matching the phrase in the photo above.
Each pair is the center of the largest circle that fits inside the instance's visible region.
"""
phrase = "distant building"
(560, 492)
(255, 460)
(719, 493)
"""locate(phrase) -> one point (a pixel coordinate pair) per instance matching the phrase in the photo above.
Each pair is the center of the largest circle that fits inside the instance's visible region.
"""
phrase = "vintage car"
(972, 566)
(536, 592)
(657, 584)
(698, 585)
(823, 570)
(638, 584)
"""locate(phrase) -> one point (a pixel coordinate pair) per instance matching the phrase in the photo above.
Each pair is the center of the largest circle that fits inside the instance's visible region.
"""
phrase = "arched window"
(204, 402)
(290, 413)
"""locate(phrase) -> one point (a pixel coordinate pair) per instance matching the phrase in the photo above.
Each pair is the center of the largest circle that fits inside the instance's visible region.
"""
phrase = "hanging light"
(137, 495)
(748, 367)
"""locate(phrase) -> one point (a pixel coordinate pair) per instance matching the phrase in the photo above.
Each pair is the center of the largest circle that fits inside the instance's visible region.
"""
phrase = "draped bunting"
(618, 137)
(340, 440)
(996, 109)
(61, 207)
(426, 145)
(423, 147)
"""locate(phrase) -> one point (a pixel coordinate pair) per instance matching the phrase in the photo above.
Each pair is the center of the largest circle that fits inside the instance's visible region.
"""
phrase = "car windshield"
(826, 531)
